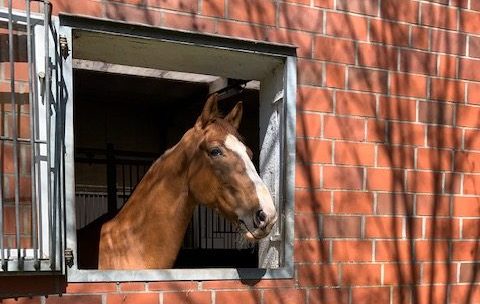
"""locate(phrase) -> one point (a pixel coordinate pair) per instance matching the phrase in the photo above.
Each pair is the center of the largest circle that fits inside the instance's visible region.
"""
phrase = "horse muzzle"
(259, 226)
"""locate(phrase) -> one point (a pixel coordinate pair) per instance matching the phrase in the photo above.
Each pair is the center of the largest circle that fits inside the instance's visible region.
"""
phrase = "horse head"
(222, 175)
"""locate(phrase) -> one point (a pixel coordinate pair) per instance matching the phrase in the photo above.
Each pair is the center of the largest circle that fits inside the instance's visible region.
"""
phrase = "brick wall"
(388, 149)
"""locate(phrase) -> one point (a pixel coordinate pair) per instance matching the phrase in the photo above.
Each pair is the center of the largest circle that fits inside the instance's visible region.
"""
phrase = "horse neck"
(158, 212)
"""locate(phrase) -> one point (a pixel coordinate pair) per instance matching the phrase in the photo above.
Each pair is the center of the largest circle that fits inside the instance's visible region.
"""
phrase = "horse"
(210, 165)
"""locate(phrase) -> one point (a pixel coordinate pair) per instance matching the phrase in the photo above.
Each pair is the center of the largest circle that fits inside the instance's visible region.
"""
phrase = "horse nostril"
(261, 216)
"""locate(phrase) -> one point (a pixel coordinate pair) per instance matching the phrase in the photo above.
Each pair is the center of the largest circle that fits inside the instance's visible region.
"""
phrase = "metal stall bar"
(32, 98)
(14, 135)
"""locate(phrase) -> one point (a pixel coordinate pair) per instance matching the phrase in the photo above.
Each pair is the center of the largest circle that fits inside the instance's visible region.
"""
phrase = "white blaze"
(264, 197)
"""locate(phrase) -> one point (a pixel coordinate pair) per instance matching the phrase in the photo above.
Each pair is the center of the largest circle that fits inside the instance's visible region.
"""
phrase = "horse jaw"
(264, 198)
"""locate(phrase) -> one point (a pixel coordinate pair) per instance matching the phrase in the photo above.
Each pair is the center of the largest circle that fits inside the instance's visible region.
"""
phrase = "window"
(98, 61)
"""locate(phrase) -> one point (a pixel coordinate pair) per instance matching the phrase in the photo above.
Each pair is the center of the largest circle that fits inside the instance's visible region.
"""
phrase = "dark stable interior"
(122, 124)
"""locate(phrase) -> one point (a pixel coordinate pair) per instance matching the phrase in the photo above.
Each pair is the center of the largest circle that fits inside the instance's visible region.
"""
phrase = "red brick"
(340, 226)
(370, 274)
(311, 251)
(401, 10)
(315, 99)
(442, 228)
(91, 287)
(353, 202)
(475, 5)
(352, 251)
(431, 294)
(467, 162)
(375, 130)
(172, 285)
(474, 47)
(444, 137)
(464, 293)
(431, 251)
(385, 180)
(434, 159)
(309, 125)
(213, 8)
(393, 251)
(397, 108)
(253, 11)
(187, 297)
(377, 56)
(328, 295)
(132, 298)
(303, 41)
(335, 75)
(447, 66)
(471, 184)
(307, 226)
(469, 69)
(76, 299)
(472, 140)
(35, 300)
(418, 62)
(408, 85)
(347, 26)
(435, 112)
(384, 227)
(394, 204)
(301, 18)
(243, 30)
(344, 178)
(420, 37)
(181, 5)
(317, 275)
(466, 206)
(465, 250)
(439, 16)
(131, 286)
(323, 3)
(246, 284)
(290, 295)
(371, 295)
(468, 116)
(87, 7)
(402, 295)
(473, 93)
(347, 153)
(367, 7)
(439, 273)
(311, 72)
(132, 14)
(401, 274)
(395, 156)
(312, 201)
(447, 90)
(188, 22)
(470, 22)
(389, 32)
(20, 69)
(448, 42)
(6, 158)
(433, 205)
(460, 3)
(471, 229)
(344, 128)
(334, 49)
(367, 80)
(307, 176)
(424, 181)
(314, 151)
(357, 104)
(469, 273)
(231, 296)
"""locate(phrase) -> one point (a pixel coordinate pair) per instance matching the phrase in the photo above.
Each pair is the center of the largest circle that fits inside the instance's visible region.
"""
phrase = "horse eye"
(215, 152)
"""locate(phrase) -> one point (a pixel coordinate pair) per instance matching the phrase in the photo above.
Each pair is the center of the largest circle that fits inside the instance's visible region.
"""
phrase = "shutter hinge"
(69, 257)
(64, 46)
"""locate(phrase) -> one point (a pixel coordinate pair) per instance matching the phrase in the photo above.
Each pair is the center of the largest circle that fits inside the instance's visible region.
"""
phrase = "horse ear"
(235, 115)
(210, 111)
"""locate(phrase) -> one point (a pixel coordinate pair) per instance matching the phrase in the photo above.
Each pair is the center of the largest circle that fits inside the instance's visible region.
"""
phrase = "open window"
(118, 98)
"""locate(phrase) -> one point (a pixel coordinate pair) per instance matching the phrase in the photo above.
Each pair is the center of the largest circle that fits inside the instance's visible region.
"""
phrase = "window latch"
(64, 51)
(69, 257)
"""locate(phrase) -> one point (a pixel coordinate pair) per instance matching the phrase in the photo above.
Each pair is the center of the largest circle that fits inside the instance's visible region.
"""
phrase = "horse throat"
(149, 230)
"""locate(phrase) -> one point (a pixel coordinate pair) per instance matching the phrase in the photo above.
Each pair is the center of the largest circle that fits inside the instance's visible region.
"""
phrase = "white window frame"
(273, 65)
